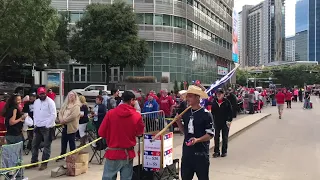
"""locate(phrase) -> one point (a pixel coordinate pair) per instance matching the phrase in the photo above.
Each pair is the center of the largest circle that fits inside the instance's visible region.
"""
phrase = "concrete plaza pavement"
(275, 149)
(95, 170)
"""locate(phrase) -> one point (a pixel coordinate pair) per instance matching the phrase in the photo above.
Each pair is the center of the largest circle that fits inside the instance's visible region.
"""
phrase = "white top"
(44, 113)
(136, 106)
(256, 95)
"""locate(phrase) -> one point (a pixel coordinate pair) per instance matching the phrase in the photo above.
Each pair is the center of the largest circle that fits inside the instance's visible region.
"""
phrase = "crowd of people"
(113, 115)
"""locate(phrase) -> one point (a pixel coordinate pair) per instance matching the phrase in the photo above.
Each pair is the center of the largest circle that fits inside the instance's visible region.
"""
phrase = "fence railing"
(154, 121)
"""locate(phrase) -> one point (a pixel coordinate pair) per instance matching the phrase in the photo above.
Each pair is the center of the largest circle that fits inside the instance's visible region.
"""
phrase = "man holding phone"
(198, 130)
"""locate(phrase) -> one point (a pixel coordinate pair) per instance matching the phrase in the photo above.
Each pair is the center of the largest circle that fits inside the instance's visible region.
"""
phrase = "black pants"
(41, 134)
(295, 97)
(198, 164)
(251, 108)
(65, 138)
(288, 104)
(225, 135)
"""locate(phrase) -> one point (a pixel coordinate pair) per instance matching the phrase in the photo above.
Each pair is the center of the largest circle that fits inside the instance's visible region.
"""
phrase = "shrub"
(164, 79)
(140, 79)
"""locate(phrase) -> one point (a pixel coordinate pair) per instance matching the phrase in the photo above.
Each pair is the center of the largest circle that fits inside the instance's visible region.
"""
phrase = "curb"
(246, 128)
(242, 130)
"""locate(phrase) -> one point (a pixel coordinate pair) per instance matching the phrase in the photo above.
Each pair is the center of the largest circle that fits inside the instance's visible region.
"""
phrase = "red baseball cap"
(41, 90)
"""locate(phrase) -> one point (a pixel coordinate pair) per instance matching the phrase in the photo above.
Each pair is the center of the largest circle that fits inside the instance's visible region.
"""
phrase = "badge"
(190, 126)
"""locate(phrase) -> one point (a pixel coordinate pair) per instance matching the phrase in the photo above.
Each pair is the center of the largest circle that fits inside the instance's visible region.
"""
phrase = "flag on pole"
(220, 82)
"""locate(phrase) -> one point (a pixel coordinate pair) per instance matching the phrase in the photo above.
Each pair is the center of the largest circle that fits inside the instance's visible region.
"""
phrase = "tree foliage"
(108, 34)
(27, 33)
(287, 76)
(181, 85)
(176, 87)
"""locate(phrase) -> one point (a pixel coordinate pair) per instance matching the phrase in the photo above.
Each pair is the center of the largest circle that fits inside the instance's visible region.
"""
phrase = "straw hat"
(197, 91)
(182, 92)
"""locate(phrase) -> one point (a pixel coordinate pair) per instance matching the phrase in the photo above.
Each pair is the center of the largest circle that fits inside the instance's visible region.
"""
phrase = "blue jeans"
(306, 104)
(112, 167)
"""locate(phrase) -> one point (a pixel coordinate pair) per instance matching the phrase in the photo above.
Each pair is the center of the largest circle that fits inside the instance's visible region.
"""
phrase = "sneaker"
(43, 167)
(31, 167)
(215, 155)
(279, 117)
(224, 155)
(60, 159)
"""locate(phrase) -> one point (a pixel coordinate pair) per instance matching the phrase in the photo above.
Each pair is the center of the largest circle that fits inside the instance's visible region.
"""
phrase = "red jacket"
(280, 97)
(2, 119)
(165, 105)
(288, 96)
(120, 127)
(51, 95)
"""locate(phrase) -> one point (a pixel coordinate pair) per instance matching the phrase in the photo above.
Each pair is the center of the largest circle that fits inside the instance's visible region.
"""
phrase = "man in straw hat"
(198, 130)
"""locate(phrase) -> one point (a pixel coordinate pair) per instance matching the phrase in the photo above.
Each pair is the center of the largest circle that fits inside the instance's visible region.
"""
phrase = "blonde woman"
(69, 116)
(83, 120)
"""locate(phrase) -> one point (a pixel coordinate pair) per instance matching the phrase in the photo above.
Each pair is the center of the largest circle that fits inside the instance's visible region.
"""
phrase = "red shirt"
(288, 96)
(120, 127)
(2, 119)
(165, 105)
(51, 95)
(280, 97)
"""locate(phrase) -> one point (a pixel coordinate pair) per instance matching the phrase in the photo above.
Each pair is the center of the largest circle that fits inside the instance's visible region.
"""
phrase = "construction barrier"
(51, 159)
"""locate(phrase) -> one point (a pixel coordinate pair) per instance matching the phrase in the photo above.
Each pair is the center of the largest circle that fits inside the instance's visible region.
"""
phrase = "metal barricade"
(154, 121)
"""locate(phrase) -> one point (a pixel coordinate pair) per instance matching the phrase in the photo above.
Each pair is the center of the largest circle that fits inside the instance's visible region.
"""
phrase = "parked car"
(92, 91)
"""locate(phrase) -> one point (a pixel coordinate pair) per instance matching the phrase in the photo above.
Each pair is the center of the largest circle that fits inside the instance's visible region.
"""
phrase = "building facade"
(243, 21)
(301, 46)
(254, 36)
(274, 31)
(262, 33)
(290, 49)
(188, 39)
(308, 26)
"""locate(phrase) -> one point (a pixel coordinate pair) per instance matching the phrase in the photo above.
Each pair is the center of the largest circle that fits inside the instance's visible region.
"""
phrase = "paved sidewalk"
(95, 170)
(275, 149)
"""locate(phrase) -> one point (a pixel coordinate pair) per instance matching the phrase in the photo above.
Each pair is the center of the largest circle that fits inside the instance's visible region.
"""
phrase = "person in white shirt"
(256, 95)
(44, 115)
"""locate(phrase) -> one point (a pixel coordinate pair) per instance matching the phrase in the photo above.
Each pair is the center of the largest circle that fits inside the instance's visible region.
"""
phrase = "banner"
(54, 82)
(235, 50)
(222, 70)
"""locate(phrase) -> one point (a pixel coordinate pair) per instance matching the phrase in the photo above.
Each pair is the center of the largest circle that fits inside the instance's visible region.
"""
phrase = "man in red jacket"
(288, 98)
(120, 127)
(280, 98)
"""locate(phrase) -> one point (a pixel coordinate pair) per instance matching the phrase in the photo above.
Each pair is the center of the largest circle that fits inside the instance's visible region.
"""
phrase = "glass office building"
(188, 39)
(308, 22)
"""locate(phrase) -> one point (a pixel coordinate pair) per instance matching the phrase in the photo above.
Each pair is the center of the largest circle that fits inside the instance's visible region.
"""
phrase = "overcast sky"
(290, 12)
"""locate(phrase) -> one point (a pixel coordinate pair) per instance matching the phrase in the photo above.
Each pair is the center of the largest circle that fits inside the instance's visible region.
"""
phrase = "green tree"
(181, 85)
(108, 34)
(176, 87)
(241, 76)
(27, 32)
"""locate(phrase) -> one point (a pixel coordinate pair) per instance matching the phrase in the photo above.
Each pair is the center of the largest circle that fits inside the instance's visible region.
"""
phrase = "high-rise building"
(301, 46)
(262, 33)
(254, 36)
(188, 39)
(274, 31)
(242, 40)
(308, 28)
(290, 49)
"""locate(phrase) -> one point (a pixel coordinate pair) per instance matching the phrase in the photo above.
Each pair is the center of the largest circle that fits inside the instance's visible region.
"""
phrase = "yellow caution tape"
(52, 159)
(31, 129)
